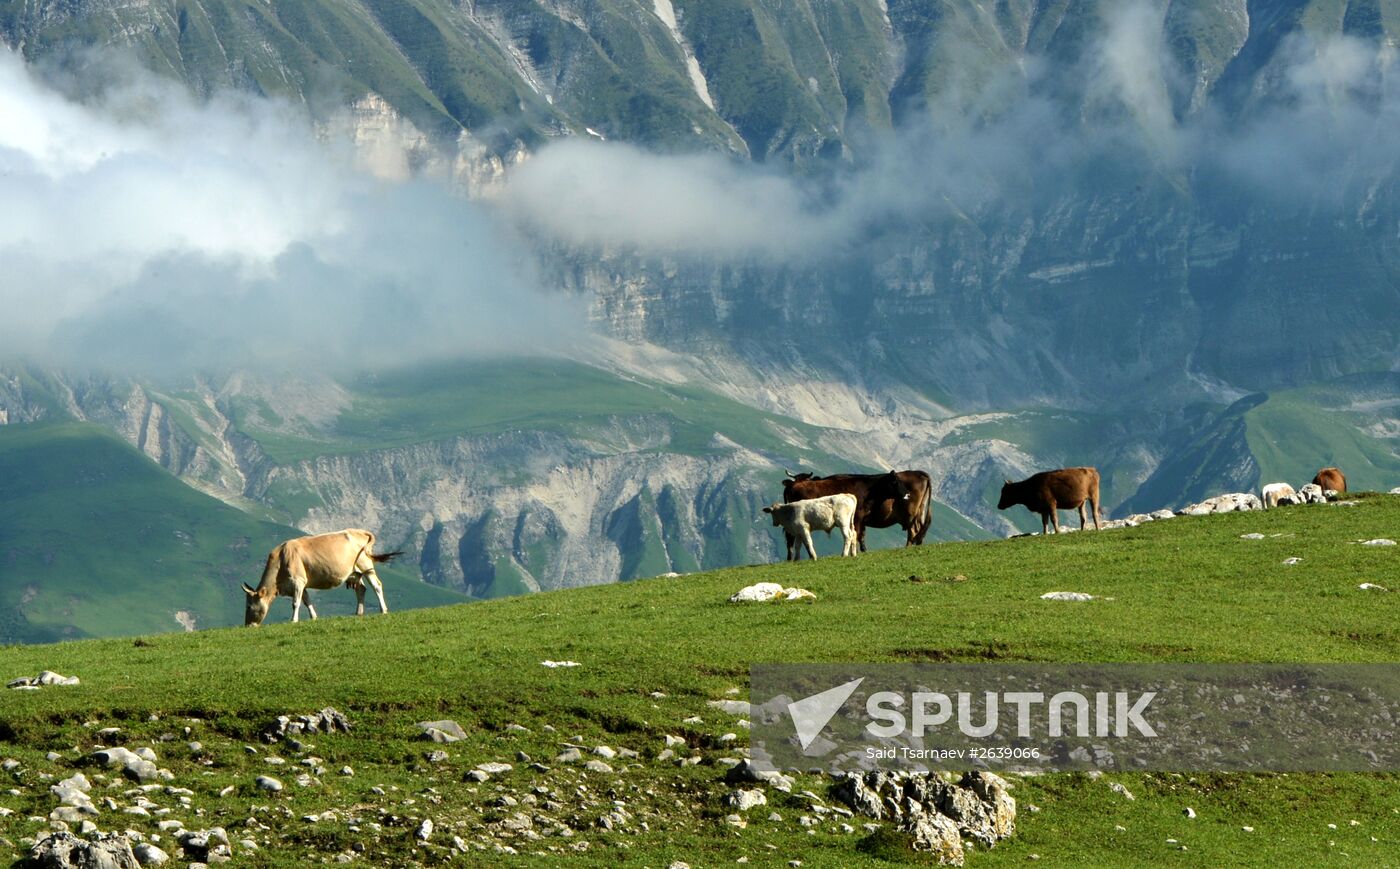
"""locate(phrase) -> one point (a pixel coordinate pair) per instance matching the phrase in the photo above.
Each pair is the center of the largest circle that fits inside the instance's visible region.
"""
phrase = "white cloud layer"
(147, 231)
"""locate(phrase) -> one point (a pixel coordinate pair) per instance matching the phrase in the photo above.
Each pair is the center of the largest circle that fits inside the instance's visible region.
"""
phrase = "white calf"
(801, 518)
(1273, 494)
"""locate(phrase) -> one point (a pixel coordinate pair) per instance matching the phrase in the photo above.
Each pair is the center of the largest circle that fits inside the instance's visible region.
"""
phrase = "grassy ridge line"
(1185, 590)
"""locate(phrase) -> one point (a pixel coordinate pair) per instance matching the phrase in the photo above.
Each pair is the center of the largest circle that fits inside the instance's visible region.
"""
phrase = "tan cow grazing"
(1331, 479)
(320, 561)
(1049, 492)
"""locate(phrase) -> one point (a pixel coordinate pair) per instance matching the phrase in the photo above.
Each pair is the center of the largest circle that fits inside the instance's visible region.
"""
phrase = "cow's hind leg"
(1094, 503)
(364, 566)
(1082, 517)
(306, 599)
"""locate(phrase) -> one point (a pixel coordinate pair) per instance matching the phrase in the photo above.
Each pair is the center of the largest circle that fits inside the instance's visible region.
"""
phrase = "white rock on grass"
(1379, 541)
(1066, 595)
(1371, 586)
(733, 707)
(443, 731)
(268, 783)
(1292, 561)
(769, 591)
(556, 664)
(744, 800)
(1255, 535)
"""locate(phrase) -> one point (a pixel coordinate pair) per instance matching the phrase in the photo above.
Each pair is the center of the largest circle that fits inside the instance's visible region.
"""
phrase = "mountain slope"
(95, 540)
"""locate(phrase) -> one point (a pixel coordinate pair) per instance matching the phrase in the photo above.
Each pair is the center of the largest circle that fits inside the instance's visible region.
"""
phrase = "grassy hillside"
(96, 540)
(653, 652)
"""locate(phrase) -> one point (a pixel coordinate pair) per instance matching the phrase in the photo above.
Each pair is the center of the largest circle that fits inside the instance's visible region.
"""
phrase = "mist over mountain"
(978, 237)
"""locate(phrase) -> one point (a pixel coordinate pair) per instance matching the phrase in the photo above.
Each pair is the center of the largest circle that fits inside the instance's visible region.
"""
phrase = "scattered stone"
(425, 830)
(569, 755)
(1371, 586)
(671, 742)
(556, 664)
(605, 752)
(1292, 561)
(597, 766)
(268, 783)
(1189, 812)
(1066, 595)
(494, 767)
(1379, 541)
(745, 800)
(733, 707)
(1247, 829)
(769, 591)
(434, 756)
(1253, 535)
(149, 855)
(442, 731)
(1120, 789)
(347, 771)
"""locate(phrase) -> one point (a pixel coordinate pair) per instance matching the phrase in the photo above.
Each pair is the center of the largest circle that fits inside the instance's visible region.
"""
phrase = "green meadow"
(652, 653)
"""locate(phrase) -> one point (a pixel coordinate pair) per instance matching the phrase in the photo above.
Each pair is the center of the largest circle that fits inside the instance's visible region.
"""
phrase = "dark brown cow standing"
(901, 498)
(1049, 492)
(1331, 478)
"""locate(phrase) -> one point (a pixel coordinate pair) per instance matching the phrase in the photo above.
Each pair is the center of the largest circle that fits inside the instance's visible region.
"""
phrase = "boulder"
(66, 851)
(328, 720)
(1312, 494)
(132, 764)
(744, 800)
(769, 591)
(935, 814)
(443, 731)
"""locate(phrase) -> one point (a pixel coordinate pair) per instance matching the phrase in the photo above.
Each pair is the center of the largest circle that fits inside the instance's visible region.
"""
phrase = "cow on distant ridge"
(316, 562)
(903, 498)
(1049, 492)
(1331, 480)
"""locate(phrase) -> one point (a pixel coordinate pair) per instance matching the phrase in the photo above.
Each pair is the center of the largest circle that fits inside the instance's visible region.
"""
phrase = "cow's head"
(1008, 497)
(257, 607)
(902, 492)
(773, 510)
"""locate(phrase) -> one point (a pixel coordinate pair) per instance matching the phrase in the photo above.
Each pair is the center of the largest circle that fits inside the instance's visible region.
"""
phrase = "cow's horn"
(1008, 482)
(788, 473)
(249, 589)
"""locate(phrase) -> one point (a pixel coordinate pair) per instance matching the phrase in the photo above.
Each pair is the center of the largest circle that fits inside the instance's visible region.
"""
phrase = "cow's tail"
(386, 557)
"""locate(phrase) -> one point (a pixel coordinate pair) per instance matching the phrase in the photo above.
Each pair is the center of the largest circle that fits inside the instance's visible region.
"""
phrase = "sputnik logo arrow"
(811, 714)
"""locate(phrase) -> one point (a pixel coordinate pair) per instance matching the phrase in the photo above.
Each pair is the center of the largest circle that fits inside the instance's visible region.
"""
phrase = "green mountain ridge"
(96, 540)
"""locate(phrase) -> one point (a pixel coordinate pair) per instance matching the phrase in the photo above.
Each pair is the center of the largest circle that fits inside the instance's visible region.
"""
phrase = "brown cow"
(319, 561)
(882, 500)
(1049, 492)
(1331, 478)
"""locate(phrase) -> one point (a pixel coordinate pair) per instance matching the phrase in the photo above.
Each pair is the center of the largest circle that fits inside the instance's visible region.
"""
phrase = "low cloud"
(1035, 133)
(148, 232)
